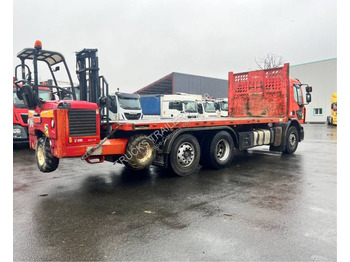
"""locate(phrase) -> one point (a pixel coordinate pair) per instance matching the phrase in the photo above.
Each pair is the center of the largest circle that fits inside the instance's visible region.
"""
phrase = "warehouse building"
(321, 75)
(185, 83)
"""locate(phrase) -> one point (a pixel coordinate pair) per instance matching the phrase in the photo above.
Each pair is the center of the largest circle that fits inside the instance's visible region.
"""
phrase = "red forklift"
(266, 107)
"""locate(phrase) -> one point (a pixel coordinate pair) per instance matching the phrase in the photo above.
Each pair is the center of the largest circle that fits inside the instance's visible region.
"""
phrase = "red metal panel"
(261, 94)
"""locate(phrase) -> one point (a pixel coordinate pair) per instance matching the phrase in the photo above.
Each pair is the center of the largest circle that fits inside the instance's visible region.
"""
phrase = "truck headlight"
(16, 131)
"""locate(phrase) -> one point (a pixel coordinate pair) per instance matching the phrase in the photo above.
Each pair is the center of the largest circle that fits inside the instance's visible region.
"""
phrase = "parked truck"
(207, 108)
(332, 119)
(169, 106)
(125, 106)
(20, 116)
(222, 106)
(266, 107)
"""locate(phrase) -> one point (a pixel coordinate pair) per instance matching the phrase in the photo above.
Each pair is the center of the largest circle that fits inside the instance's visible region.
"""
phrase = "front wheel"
(185, 155)
(292, 140)
(45, 161)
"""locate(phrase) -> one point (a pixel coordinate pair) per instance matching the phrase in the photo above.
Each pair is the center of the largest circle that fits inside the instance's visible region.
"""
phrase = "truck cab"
(125, 106)
(169, 106)
(206, 108)
(222, 106)
(20, 115)
(297, 103)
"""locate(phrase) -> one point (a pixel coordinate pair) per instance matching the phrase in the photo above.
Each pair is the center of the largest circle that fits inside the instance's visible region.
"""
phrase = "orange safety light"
(38, 45)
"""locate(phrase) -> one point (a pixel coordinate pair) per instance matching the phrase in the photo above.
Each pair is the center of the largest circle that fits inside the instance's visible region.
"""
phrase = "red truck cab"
(20, 116)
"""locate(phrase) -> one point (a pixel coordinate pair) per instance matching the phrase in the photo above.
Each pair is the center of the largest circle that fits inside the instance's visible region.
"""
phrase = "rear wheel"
(45, 161)
(292, 140)
(185, 155)
(218, 151)
(139, 152)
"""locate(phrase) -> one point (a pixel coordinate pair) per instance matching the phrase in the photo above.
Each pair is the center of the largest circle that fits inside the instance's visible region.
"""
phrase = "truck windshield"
(224, 106)
(209, 107)
(190, 106)
(129, 103)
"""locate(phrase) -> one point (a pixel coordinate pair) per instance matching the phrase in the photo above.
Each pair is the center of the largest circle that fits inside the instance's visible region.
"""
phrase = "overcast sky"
(142, 41)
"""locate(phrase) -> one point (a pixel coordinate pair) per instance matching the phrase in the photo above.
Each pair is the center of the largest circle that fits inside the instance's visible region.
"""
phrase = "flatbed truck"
(266, 107)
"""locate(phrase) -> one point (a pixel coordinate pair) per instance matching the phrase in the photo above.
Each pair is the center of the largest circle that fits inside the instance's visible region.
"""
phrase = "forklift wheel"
(139, 152)
(44, 159)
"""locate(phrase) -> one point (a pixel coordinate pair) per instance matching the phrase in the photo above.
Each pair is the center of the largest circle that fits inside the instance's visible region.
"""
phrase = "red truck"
(266, 107)
(20, 116)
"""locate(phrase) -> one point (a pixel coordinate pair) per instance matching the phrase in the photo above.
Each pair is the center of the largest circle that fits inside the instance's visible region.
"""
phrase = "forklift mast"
(88, 75)
(92, 87)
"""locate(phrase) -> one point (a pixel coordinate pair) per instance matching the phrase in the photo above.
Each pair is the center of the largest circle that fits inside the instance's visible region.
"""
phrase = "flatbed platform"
(143, 124)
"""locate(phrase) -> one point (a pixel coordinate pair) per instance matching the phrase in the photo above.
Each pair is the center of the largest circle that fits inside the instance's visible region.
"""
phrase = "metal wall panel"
(200, 85)
(322, 76)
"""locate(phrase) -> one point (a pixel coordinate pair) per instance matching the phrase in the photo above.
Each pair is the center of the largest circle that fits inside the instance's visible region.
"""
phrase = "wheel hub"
(292, 140)
(222, 149)
(185, 154)
(40, 155)
(145, 154)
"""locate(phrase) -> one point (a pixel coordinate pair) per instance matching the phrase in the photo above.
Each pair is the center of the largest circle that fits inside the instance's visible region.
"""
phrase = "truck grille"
(82, 122)
(132, 116)
(24, 118)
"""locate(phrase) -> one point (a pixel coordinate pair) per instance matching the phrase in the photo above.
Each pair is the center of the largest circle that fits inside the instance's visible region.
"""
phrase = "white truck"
(207, 108)
(125, 106)
(222, 106)
(169, 106)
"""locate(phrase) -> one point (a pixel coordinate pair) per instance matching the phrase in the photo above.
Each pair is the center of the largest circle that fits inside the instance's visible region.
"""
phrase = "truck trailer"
(266, 107)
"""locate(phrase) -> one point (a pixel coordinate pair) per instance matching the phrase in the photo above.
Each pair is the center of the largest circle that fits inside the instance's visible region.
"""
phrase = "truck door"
(297, 106)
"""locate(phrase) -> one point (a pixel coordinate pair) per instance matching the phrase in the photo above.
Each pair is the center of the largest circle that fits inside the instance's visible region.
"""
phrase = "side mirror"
(308, 97)
(57, 68)
(308, 89)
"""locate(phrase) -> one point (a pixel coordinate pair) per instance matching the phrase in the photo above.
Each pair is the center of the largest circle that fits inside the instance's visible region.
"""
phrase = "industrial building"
(321, 75)
(185, 83)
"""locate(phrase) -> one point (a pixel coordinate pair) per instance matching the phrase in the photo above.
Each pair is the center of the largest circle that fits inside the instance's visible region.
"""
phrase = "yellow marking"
(47, 113)
(31, 113)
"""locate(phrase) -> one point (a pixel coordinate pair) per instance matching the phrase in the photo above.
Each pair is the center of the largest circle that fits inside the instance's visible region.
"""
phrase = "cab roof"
(50, 57)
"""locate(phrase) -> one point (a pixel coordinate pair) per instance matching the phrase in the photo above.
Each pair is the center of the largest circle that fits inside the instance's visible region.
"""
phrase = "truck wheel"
(292, 140)
(219, 150)
(45, 161)
(185, 155)
(139, 152)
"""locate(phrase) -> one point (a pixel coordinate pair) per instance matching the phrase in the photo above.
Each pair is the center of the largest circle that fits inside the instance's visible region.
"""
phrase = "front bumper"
(20, 134)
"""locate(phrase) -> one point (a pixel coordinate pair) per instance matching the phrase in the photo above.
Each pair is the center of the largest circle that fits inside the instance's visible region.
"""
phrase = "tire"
(45, 161)
(185, 155)
(139, 152)
(292, 140)
(219, 149)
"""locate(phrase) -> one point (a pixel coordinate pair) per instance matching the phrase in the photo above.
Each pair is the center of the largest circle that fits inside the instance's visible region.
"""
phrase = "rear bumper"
(110, 147)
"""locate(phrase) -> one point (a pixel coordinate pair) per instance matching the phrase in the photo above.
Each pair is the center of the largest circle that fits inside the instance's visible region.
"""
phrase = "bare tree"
(269, 61)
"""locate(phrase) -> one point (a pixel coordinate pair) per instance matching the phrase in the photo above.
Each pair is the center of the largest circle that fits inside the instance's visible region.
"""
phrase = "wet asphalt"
(266, 206)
